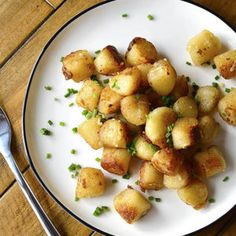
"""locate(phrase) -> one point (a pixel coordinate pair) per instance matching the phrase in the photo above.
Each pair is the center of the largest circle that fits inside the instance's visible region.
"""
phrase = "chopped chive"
(49, 155)
(227, 90)
(62, 59)
(98, 211)
(70, 91)
(62, 123)
(151, 198)
(56, 99)
(188, 63)
(97, 52)
(73, 151)
(85, 112)
(226, 178)
(105, 208)
(214, 84)
(88, 116)
(74, 130)
(114, 181)
(45, 131)
(97, 159)
(131, 148)
(106, 81)
(150, 17)
(76, 199)
(168, 100)
(48, 88)
(71, 104)
(95, 112)
(126, 176)
(168, 135)
(211, 200)
(50, 122)
(157, 199)
(153, 147)
(74, 168)
(213, 66)
(195, 87)
(217, 77)
(125, 15)
(137, 182)
(93, 77)
(114, 85)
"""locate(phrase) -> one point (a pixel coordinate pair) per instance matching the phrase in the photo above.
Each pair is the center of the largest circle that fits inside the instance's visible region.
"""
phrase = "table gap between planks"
(26, 26)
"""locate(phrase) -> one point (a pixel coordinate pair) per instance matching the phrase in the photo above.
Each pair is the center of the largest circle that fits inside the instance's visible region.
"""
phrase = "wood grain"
(16, 216)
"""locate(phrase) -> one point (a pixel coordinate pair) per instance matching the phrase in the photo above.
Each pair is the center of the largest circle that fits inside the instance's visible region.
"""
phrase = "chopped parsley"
(45, 131)
(227, 90)
(62, 59)
(61, 123)
(49, 156)
(71, 104)
(214, 84)
(126, 176)
(48, 88)
(100, 210)
(50, 122)
(168, 100)
(74, 168)
(73, 151)
(150, 17)
(125, 15)
(213, 66)
(131, 148)
(74, 130)
(114, 181)
(169, 135)
(226, 178)
(217, 77)
(97, 159)
(188, 63)
(211, 200)
(70, 91)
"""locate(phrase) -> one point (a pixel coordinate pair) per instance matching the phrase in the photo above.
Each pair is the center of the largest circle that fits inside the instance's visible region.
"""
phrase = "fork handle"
(43, 218)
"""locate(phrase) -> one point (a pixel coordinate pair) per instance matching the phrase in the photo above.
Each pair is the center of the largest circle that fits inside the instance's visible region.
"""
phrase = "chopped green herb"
(214, 84)
(95, 112)
(137, 182)
(93, 77)
(50, 122)
(125, 15)
(106, 81)
(150, 17)
(211, 200)
(226, 178)
(151, 198)
(74, 130)
(126, 176)
(195, 87)
(169, 135)
(48, 88)
(188, 63)
(213, 66)
(114, 85)
(157, 199)
(114, 181)
(88, 116)
(73, 151)
(62, 59)
(97, 52)
(105, 208)
(168, 100)
(131, 148)
(76, 199)
(217, 77)
(98, 159)
(62, 123)
(223, 114)
(227, 90)
(49, 155)
(70, 91)
(56, 99)
(85, 112)
(74, 168)
(153, 147)
(99, 210)
(45, 131)
(71, 104)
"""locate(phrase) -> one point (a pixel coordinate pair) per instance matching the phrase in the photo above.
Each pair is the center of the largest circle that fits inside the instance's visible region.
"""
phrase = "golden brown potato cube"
(209, 162)
(181, 87)
(89, 94)
(156, 125)
(185, 107)
(109, 101)
(85, 128)
(208, 129)
(131, 205)
(226, 64)
(113, 133)
(167, 161)
(115, 160)
(207, 98)
(78, 65)
(140, 51)
(203, 47)
(179, 180)
(91, 183)
(162, 77)
(144, 149)
(149, 177)
(135, 108)
(126, 82)
(144, 69)
(109, 61)
(227, 107)
(185, 132)
(194, 194)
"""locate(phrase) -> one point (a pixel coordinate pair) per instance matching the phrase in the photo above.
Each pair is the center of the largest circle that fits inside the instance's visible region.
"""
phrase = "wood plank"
(224, 8)
(17, 217)
(14, 77)
(18, 18)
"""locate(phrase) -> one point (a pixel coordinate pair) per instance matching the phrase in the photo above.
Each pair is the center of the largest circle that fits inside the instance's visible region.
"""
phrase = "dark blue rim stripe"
(26, 99)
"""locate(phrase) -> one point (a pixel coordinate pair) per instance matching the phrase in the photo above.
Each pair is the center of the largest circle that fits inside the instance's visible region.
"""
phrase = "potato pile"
(148, 112)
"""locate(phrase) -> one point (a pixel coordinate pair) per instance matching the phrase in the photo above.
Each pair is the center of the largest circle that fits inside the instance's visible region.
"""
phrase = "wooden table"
(25, 28)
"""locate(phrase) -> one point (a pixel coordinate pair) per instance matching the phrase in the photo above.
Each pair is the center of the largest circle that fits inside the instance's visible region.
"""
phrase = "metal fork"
(5, 142)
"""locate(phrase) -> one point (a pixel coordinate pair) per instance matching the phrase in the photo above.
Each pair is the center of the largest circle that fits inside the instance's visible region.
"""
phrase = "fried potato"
(144, 69)
(181, 87)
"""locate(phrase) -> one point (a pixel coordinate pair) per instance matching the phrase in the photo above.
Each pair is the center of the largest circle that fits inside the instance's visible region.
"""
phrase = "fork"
(5, 143)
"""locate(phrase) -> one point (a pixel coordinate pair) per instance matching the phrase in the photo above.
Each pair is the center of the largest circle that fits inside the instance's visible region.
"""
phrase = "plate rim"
(34, 67)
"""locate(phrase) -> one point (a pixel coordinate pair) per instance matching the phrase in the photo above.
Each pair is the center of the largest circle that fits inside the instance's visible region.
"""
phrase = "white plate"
(175, 22)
